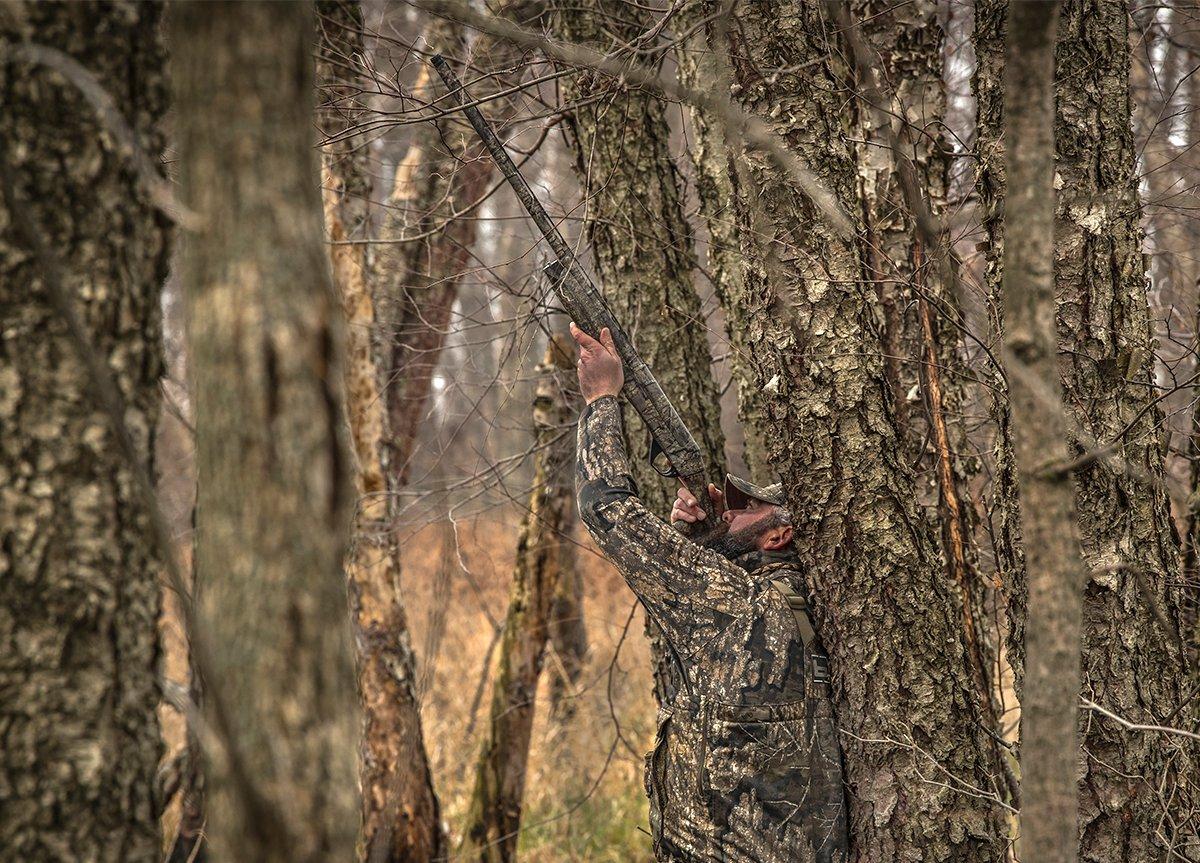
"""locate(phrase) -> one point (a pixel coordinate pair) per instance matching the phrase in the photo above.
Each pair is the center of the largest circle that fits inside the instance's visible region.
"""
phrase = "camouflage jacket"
(746, 764)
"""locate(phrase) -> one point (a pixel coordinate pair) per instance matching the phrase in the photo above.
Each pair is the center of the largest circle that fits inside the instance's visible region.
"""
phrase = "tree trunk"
(704, 66)
(79, 584)
(274, 497)
(1133, 663)
(492, 827)
(643, 255)
(1049, 745)
(400, 812)
(438, 181)
(904, 694)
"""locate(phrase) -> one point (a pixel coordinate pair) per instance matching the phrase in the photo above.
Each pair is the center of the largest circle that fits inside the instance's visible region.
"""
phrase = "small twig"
(1134, 726)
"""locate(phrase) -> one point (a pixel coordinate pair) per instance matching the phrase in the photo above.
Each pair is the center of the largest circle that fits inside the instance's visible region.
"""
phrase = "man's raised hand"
(600, 370)
(687, 508)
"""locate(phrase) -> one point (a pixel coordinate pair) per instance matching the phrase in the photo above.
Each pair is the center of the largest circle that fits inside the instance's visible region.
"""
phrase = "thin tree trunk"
(400, 813)
(79, 582)
(274, 492)
(903, 687)
(643, 253)
(1049, 743)
(492, 827)
(1133, 663)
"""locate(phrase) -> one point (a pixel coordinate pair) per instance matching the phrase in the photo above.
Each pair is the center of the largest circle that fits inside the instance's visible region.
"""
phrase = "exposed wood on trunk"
(400, 812)
(493, 822)
(872, 566)
(275, 497)
(642, 251)
(1132, 659)
(79, 574)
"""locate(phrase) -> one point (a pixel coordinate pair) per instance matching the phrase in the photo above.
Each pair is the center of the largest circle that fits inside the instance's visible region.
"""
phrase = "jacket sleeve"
(683, 585)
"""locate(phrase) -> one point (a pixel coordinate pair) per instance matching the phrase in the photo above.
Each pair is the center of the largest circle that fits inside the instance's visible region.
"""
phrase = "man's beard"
(735, 543)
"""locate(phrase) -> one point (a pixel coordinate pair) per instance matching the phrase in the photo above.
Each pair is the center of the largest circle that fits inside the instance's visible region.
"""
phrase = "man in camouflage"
(746, 766)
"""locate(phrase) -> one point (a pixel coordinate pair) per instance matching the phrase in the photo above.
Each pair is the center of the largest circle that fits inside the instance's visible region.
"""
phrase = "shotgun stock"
(670, 440)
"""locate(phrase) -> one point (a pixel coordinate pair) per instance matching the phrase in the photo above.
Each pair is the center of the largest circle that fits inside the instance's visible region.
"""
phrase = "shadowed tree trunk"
(1049, 747)
(873, 569)
(493, 822)
(79, 583)
(400, 813)
(642, 252)
(274, 485)
(1132, 658)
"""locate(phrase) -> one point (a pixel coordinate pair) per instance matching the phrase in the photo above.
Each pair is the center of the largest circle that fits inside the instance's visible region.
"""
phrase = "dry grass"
(584, 799)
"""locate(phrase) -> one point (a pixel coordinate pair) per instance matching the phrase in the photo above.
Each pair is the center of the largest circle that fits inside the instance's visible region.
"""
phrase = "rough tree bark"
(991, 17)
(79, 582)
(400, 813)
(704, 66)
(642, 249)
(435, 184)
(491, 830)
(274, 497)
(1133, 662)
(1049, 747)
(905, 699)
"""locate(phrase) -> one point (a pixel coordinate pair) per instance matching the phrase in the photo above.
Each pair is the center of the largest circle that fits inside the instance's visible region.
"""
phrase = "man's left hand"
(600, 370)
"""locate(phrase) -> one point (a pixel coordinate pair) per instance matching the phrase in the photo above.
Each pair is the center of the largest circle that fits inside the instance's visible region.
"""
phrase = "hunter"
(746, 766)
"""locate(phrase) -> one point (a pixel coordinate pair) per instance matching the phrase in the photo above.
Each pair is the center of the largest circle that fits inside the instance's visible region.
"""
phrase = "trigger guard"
(655, 451)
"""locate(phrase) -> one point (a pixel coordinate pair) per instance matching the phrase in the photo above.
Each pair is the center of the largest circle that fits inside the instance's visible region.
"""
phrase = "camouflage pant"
(735, 784)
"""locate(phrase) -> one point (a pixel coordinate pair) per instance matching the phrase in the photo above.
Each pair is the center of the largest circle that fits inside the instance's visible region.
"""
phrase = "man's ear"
(776, 538)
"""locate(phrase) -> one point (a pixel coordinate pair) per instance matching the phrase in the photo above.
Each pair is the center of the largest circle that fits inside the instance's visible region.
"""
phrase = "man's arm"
(682, 584)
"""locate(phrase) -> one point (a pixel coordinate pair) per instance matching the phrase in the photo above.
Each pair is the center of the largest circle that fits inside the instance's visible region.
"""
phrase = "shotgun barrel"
(669, 436)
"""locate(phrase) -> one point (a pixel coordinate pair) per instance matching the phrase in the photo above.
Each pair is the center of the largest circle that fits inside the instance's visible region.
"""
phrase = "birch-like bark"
(904, 695)
(400, 814)
(79, 575)
(274, 486)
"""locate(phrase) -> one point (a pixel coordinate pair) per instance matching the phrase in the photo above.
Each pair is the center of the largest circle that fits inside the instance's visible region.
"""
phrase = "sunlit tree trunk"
(400, 813)
(904, 694)
(79, 577)
(273, 470)
(493, 822)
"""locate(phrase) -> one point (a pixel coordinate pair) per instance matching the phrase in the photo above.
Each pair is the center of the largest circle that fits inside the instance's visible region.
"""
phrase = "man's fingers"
(583, 339)
(606, 339)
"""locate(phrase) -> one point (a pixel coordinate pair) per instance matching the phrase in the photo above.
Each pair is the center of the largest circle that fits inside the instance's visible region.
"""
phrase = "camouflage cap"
(738, 491)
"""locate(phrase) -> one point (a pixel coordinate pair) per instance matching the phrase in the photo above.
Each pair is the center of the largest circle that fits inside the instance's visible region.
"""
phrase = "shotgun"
(673, 450)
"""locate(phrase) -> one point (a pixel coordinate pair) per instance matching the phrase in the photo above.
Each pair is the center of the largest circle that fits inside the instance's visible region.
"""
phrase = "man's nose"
(727, 516)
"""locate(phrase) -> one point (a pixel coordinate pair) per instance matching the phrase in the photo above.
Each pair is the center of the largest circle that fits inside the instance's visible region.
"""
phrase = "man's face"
(746, 528)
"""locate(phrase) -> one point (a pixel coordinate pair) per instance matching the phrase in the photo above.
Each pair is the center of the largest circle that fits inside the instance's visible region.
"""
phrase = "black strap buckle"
(820, 668)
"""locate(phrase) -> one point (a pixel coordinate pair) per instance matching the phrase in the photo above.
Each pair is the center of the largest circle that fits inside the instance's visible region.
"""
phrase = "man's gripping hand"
(600, 370)
(687, 508)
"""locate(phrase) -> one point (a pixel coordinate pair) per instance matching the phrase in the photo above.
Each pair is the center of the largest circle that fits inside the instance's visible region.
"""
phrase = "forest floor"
(584, 799)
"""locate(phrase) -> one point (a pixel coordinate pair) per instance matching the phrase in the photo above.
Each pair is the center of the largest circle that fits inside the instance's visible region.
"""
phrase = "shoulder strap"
(799, 607)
